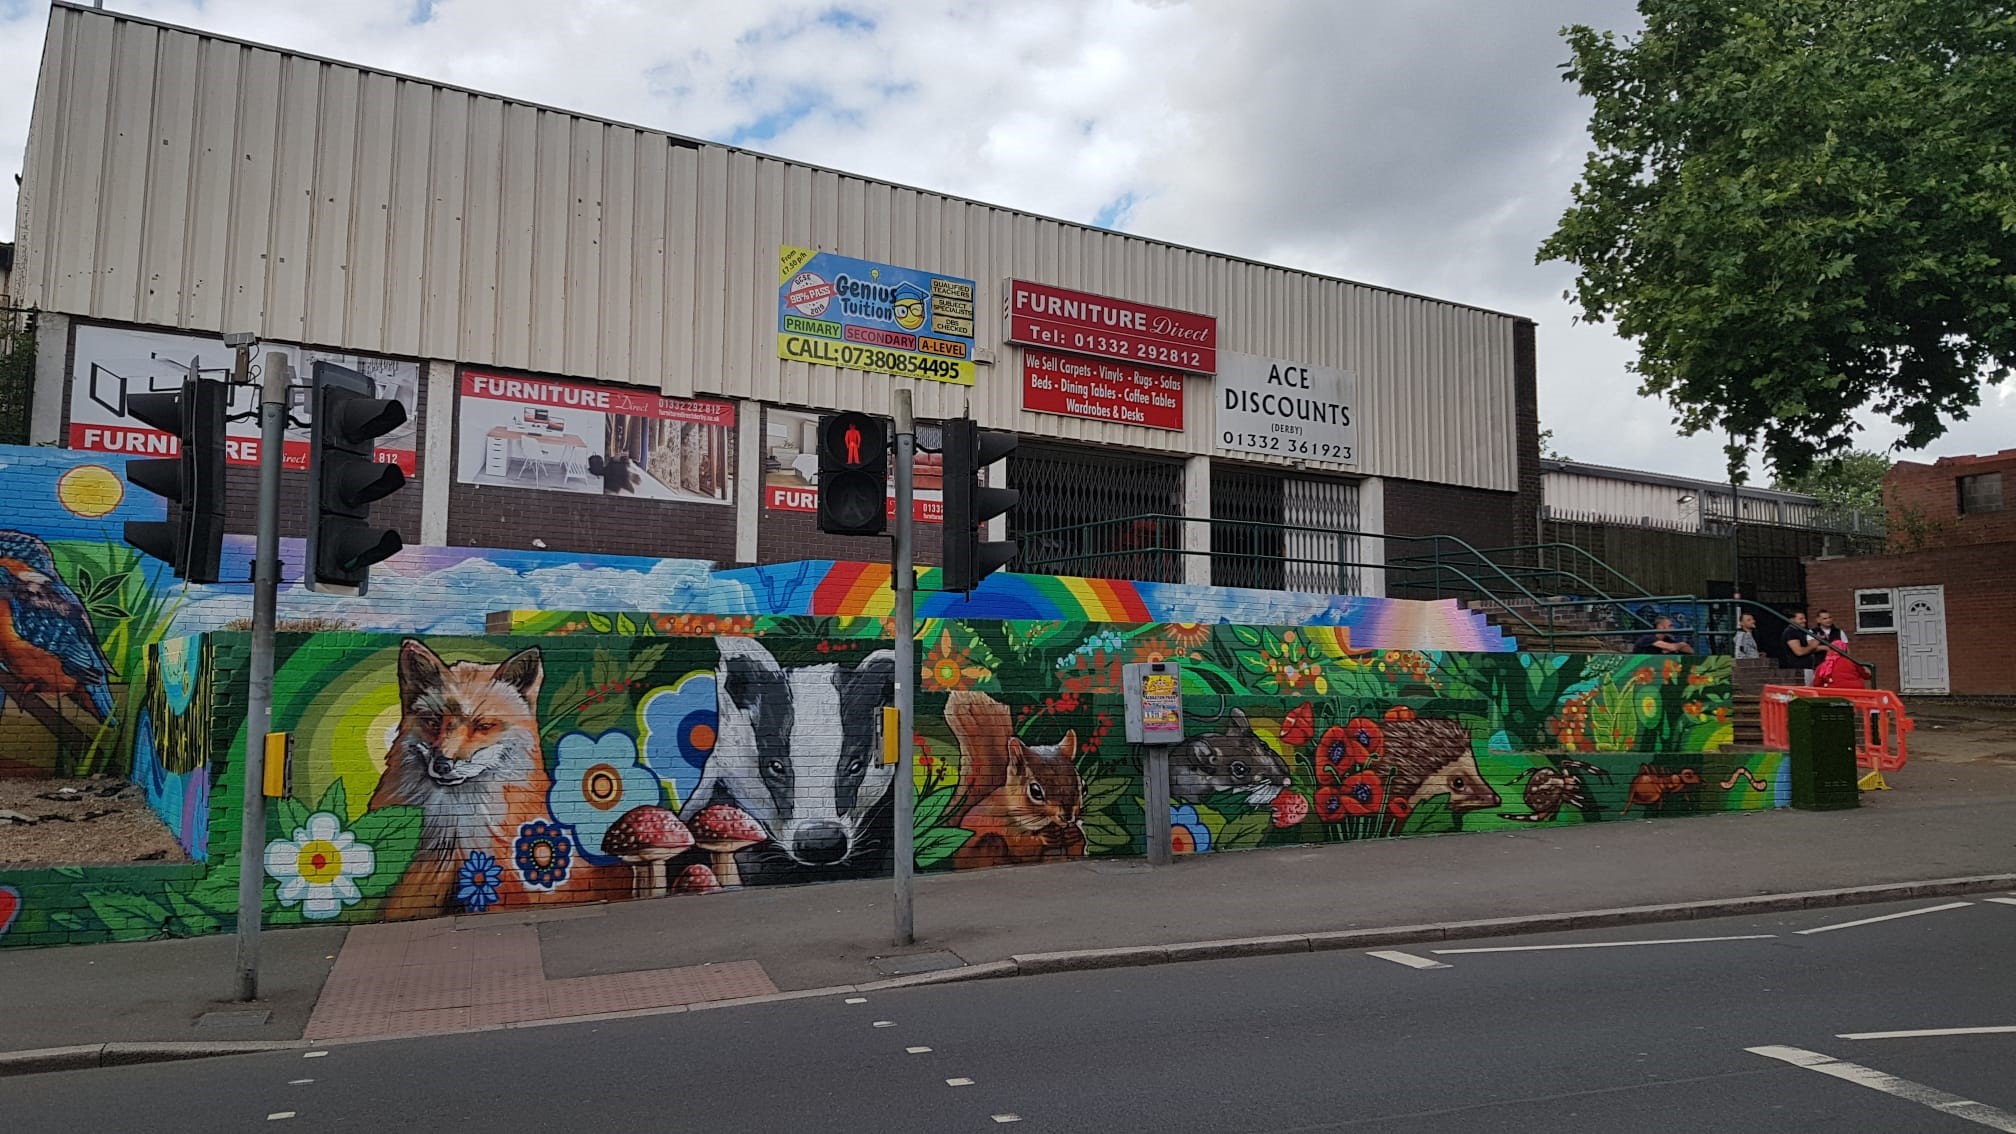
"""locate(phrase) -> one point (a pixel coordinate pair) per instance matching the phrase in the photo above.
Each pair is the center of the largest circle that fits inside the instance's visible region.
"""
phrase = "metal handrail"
(1585, 553)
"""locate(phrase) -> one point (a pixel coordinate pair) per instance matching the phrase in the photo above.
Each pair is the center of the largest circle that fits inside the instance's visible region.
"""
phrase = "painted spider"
(1548, 789)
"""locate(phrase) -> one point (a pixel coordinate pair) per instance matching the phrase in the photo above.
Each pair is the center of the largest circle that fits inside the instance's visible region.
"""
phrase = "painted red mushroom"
(645, 837)
(696, 879)
(721, 830)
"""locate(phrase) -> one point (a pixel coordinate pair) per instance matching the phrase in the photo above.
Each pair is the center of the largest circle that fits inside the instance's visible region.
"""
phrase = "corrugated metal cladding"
(1582, 496)
(179, 179)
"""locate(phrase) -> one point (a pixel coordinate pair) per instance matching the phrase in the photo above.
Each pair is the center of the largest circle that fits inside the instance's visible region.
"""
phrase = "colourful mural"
(447, 774)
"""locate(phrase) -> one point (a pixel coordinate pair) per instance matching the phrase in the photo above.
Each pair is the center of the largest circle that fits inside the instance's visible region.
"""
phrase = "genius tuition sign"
(860, 315)
(1287, 409)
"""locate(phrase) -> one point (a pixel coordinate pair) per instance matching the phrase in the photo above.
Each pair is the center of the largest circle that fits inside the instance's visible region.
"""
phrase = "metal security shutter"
(1322, 560)
(1246, 536)
(1086, 512)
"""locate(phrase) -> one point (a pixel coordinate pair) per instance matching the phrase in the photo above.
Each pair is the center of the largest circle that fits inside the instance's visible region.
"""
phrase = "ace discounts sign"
(1287, 409)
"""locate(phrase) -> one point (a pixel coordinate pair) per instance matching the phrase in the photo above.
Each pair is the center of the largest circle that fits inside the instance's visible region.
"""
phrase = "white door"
(1921, 639)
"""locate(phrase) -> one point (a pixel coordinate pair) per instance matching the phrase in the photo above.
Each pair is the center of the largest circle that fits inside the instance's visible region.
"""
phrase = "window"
(1980, 493)
(1875, 612)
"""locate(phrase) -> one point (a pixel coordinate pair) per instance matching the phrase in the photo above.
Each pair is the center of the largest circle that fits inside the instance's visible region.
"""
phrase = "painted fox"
(467, 753)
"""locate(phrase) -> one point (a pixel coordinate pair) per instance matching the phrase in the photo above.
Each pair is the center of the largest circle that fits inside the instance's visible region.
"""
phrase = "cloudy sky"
(1427, 146)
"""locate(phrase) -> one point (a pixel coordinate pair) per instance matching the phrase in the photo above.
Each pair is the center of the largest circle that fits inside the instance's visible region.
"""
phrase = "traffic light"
(344, 477)
(191, 543)
(853, 474)
(969, 504)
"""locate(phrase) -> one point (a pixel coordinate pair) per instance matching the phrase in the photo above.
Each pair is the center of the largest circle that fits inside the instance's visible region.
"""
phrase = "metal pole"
(1155, 773)
(903, 580)
(259, 702)
(1736, 520)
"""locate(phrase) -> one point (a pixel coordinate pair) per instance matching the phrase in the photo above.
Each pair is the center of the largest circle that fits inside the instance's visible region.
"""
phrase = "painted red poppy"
(1363, 794)
(1330, 804)
(1363, 741)
(1399, 807)
(1333, 755)
(1299, 725)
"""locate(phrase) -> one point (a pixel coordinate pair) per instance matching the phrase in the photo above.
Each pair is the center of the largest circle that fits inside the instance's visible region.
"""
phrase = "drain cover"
(242, 1018)
(911, 964)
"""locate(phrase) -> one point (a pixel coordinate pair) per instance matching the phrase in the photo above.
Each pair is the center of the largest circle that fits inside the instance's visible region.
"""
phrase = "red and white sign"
(1055, 317)
(1096, 390)
(111, 364)
(520, 431)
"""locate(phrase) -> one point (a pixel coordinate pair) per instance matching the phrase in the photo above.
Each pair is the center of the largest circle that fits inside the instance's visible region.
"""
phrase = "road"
(1597, 1037)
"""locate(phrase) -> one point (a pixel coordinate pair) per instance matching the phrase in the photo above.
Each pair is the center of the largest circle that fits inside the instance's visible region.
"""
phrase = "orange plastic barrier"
(1885, 725)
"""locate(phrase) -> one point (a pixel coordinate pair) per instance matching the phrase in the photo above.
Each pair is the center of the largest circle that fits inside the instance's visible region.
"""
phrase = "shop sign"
(558, 436)
(1118, 392)
(860, 315)
(1286, 409)
(1061, 319)
(111, 364)
(791, 468)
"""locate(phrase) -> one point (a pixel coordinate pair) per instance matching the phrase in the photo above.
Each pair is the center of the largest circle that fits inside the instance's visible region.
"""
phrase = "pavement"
(1891, 1018)
(1945, 819)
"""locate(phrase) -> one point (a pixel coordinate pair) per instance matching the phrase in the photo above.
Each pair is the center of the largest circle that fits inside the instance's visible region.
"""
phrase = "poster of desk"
(542, 433)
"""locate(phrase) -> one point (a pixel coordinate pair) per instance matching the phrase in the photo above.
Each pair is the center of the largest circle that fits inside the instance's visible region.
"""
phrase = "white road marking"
(1922, 1032)
(1885, 917)
(279, 1114)
(1007, 1118)
(857, 1000)
(1408, 959)
(313, 1054)
(1975, 1112)
(2004, 901)
(298, 1082)
(885, 1023)
(958, 1082)
(917, 1050)
(1601, 944)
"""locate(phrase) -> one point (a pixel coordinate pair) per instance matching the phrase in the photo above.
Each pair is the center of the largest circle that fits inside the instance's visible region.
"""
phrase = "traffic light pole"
(259, 703)
(903, 579)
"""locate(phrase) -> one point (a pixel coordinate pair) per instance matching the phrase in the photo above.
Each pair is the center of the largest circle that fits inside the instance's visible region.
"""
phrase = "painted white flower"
(318, 869)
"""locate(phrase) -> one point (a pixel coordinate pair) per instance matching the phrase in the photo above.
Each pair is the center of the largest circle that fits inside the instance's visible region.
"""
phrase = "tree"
(1799, 208)
(1844, 482)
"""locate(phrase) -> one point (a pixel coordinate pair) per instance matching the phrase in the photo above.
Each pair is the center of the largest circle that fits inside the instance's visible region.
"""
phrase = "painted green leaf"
(63, 919)
(130, 916)
(70, 871)
(336, 801)
(284, 816)
(1105, 791)
(1243, 832)
(191, 920)
(625, 624)
(393, 834)
(1104, 833)
(1246, 634)
(931, 808)
(938, 844)
(1251, 662)
(600, 623)
(1431, 817)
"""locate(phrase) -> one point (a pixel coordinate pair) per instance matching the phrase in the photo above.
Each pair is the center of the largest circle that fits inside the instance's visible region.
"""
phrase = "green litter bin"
(1820, 738)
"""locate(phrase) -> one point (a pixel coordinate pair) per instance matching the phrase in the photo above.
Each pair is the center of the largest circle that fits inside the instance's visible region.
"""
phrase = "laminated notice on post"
(1154, 694)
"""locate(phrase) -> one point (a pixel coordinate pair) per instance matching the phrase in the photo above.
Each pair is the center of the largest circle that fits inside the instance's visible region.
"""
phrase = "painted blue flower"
(543, 854)
(595, 781)
(1186, 827)
(476, 882)
(678, 725)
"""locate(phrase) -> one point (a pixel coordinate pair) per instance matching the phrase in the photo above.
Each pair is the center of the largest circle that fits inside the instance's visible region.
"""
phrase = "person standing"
(1660, 640)
(1746, 636)
(1800, 646)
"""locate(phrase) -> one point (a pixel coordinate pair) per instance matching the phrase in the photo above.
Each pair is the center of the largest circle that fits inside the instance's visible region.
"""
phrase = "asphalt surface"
(1643, 1037)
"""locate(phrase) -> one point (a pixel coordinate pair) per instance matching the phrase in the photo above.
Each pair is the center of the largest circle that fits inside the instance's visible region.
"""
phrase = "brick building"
(1937, 612)
(614, 340)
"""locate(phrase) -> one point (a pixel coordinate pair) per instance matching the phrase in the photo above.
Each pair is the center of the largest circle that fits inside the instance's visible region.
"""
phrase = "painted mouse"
(1231, 762)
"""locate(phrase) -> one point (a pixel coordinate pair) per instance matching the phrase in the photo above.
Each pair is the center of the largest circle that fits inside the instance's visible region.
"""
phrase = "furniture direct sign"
(1286, 409)
(1061, 319)
(520, 432)
(860, 315)
(111, 364)
(1120, 392)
